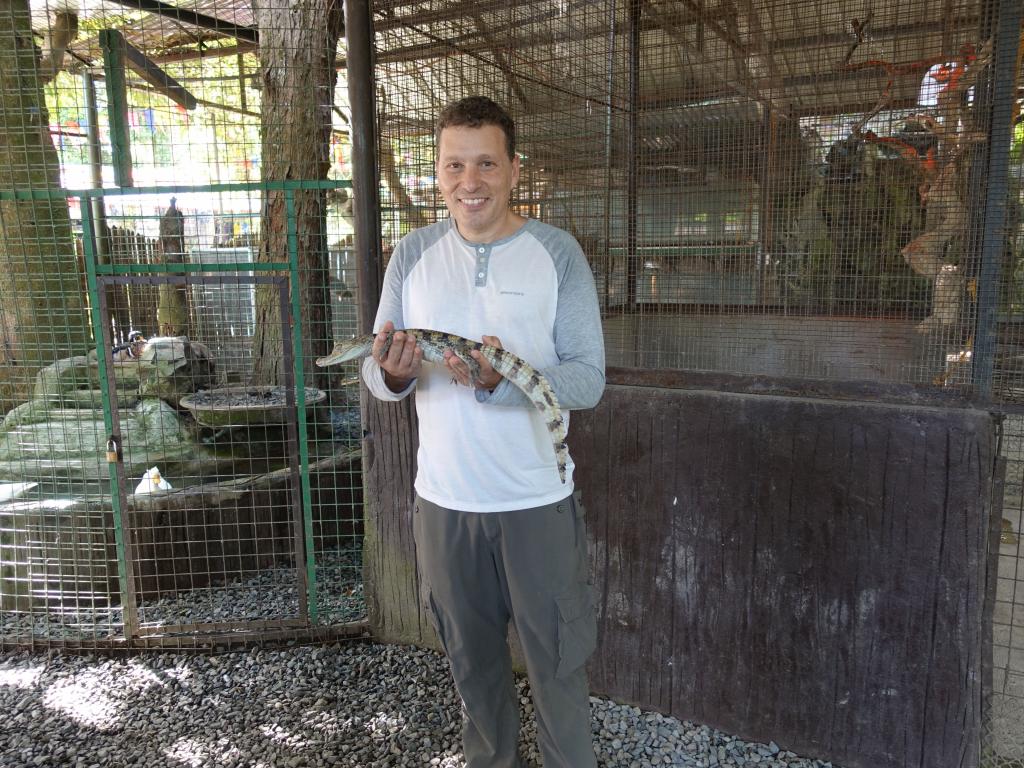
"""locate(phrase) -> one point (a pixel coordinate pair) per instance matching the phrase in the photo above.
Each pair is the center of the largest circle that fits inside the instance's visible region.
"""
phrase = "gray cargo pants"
(478, 571)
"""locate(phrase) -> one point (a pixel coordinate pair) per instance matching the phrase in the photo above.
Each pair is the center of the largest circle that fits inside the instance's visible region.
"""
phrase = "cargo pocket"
(427, 603)
(430, 608)
(577, 629)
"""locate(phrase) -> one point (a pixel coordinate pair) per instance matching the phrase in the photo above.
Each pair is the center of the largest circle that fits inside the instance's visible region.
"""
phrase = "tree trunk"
(42, 310)
(172, 301)
(298, 43)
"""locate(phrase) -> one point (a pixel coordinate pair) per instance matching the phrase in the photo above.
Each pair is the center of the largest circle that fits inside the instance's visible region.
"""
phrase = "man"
(498, 536)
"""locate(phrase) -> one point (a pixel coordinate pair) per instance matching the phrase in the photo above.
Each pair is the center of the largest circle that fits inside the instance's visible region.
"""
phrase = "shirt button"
(481, 250)
(480, 274)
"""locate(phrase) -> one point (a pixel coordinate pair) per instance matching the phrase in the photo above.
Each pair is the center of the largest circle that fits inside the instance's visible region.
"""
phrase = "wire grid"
(1008, 363)
(1006, 714)
(1005, 722)
(223, 551)
(789, 188)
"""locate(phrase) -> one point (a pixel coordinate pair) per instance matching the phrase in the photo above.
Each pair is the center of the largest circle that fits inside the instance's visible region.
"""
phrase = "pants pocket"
(577, 629)
(426, 594)
(433, 616)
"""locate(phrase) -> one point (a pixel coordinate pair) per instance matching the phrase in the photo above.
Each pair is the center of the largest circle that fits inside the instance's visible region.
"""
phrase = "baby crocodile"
(515, 369)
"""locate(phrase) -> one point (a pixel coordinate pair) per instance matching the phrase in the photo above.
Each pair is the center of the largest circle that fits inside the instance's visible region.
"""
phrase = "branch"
(58, 36)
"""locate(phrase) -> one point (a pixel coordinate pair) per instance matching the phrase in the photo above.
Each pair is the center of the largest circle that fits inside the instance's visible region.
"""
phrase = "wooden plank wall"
(130, 308)
(805, 571)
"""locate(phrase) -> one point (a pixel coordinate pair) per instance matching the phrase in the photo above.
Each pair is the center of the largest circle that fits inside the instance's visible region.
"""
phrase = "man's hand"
(489, 378)
(402, 362)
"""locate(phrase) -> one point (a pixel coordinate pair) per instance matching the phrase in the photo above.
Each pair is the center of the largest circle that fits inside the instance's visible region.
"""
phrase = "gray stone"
(254, 708)
(42, 443)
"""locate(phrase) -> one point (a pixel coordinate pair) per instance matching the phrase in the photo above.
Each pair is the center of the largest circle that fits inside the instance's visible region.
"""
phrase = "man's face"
(476, 178)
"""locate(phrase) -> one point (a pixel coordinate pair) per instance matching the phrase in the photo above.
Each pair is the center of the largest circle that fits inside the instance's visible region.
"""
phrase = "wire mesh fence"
(167, 327)
(206, 504)
(783, 188)
(811, 190)
(1006, 707)
(820, 190)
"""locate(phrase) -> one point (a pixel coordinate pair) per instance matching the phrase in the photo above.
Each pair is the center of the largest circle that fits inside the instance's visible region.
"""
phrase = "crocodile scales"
(515, 369)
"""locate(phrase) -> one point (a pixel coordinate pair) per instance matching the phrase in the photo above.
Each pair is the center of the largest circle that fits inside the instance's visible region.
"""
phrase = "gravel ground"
(245, 397)
(355, 704)
(269, 594)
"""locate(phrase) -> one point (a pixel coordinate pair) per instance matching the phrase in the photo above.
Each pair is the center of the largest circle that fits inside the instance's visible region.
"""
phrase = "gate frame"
(99, 274)
(300, 510)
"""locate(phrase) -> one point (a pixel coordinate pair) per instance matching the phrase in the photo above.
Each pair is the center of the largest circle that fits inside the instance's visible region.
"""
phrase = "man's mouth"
(473, 202)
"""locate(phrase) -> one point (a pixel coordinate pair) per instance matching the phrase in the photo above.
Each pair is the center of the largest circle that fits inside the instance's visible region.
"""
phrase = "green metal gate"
(235, 549)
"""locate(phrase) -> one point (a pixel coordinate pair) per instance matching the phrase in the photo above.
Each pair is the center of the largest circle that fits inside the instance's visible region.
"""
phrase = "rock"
(37, 442)
(173, 366)
(63, 377)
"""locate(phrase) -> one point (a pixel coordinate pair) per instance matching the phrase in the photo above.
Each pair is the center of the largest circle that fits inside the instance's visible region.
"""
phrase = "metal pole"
(112, 43)
(123, 539)
(632, 257)
(993, 239)
(765, 209)
(92, 130)
(365, 185)
(609, 129)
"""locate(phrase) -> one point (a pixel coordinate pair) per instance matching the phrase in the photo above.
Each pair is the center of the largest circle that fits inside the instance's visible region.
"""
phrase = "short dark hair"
(474, 112)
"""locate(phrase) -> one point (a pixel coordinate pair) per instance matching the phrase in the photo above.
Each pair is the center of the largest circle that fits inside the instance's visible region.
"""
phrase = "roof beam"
(438, 47)
(201, 20)
(946, 26)
(742, 85)
(204, 53)
(726, 35)
(496, 51)
(162, 83)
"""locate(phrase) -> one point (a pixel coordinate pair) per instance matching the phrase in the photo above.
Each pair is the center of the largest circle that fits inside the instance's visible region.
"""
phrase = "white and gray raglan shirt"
(480, 451)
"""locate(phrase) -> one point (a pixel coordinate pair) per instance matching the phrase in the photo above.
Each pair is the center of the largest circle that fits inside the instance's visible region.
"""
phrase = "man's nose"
(471, 177)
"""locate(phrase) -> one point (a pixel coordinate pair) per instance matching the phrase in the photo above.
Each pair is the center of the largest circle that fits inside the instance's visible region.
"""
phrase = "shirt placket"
(482, 261)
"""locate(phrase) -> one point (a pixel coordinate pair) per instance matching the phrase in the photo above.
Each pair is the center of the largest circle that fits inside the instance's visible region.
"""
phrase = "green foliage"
(91, 25)
(842, 251)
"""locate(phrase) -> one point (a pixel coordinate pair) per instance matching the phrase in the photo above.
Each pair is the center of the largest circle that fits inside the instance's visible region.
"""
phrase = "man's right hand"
(402, 362)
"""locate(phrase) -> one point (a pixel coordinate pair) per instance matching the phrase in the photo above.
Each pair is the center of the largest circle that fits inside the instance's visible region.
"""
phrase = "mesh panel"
(1005, 744)
(178, 310)
(792, 188)
(807, 190)
(798, 189)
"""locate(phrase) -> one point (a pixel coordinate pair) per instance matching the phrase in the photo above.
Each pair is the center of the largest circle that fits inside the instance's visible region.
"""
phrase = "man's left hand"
(489, 378)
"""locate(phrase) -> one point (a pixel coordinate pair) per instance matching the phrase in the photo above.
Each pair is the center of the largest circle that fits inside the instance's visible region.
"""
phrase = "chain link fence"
(826, 191)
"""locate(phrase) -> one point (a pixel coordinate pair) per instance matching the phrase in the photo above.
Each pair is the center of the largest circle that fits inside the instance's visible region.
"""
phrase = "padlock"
(111, 450)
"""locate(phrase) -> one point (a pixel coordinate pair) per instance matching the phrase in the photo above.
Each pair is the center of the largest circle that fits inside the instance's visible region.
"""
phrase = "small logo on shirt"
(512, 293)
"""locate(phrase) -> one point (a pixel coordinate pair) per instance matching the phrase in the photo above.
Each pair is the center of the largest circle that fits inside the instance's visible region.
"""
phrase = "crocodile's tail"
(539, 391)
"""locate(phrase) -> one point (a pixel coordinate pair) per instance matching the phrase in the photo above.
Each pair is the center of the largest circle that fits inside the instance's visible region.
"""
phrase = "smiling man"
(499, 537)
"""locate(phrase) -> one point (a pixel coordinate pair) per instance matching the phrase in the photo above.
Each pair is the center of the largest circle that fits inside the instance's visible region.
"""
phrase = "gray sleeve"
(578, 379)
(390, 308)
